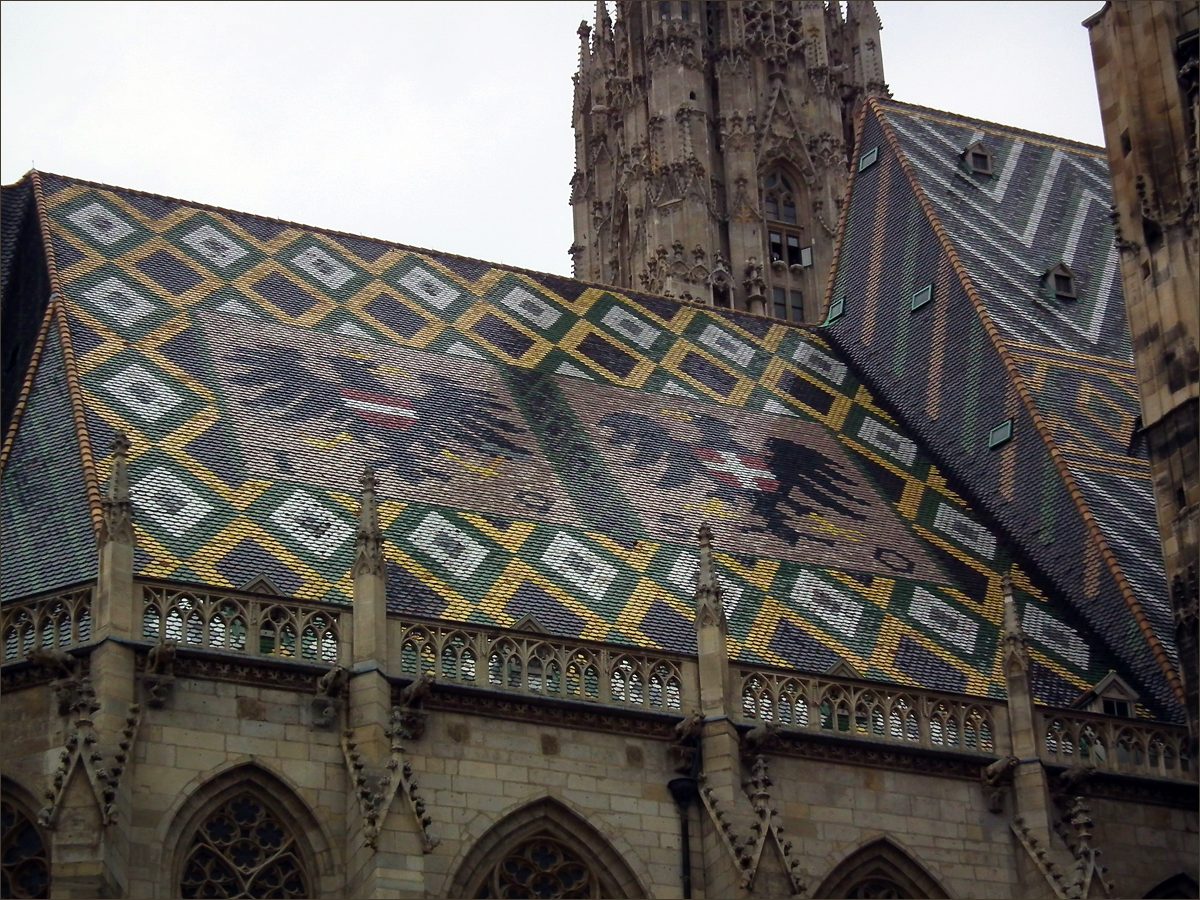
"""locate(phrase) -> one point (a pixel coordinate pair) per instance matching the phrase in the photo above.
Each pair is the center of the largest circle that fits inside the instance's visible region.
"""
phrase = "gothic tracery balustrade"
(543, 666)
(1115, 745)
(242, 623)
(53, 622)
(868, 711)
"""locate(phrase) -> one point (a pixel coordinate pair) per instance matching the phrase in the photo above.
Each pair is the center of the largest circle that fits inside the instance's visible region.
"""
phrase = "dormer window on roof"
(1062, 281)
(1111, 695)
(979, 158)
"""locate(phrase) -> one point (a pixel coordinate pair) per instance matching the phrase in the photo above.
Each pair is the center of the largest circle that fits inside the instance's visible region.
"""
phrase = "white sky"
(440, 125)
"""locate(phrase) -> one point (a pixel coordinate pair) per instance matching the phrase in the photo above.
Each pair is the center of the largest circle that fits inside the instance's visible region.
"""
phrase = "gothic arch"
(880, 868)
(247, 809)
(547, 840)
(26, 848)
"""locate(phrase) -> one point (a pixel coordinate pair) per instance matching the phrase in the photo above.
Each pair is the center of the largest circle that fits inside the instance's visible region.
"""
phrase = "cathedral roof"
(1019, 382)
(546, 448)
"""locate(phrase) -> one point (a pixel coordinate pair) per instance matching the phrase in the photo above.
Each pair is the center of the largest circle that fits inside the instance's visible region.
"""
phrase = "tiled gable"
(1030, 418)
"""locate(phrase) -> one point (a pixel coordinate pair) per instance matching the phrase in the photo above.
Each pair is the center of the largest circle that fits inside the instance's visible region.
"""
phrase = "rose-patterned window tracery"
(25, 871)
(540, 867)
(243, 849)
(876, 887)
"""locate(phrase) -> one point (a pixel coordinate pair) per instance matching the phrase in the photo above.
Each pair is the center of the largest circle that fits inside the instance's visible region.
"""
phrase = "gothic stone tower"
(711, 146)
(1146, 58)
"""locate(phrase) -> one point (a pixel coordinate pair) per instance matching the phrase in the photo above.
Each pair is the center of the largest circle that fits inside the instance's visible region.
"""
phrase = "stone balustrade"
(544, 666)
(228, 621)
(54, 621)
(1129, 746)
(867, 710)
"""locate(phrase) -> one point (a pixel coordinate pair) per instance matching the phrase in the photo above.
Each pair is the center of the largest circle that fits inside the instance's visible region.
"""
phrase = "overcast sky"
(440, 125)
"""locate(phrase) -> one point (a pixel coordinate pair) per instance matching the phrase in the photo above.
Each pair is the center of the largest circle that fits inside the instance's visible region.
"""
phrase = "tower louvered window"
(788, 252)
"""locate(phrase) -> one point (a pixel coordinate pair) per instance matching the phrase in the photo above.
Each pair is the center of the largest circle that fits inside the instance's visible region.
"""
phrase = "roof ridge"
(860, 118)
(333, 232)
(57, 309)
(1071, 145)
(1056, 455)
(35, 359)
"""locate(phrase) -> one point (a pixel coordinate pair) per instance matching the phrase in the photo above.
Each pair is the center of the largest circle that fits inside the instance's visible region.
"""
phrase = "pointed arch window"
(243, 848)
(541, 867)
(788, 250)
(880, 869)
(779, 198)
(25, 871)
(544, 850)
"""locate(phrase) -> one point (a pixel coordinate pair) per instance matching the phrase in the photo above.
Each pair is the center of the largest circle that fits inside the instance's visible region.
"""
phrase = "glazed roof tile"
(996, 344)
(546, 448)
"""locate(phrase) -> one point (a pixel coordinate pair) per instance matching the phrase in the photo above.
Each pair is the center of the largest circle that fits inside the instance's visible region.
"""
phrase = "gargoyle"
(328, 702)
(159, 676)
(759, 739)
(685, 747)
(414, 693)
(996, 777)
(161, 659)
(407, 714)
(65, 670)
(56, 662)
(333, 682)
(689, 728)
(1070, 781)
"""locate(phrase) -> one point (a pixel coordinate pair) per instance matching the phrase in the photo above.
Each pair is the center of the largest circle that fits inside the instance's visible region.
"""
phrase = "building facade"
(1147, 71)
(711, 147)
(333, 567)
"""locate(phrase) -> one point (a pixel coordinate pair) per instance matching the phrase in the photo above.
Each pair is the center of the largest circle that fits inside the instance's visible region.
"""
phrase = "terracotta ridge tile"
(1093, 529)
(1061, 142)
(39, 208)
(334, 233)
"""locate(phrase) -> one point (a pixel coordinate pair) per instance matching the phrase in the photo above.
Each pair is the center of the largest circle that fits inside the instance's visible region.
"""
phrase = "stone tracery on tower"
(686, 114)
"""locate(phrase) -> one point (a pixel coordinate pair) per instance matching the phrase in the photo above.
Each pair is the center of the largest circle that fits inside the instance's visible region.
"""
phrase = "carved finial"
(1016, 652)
(116, 505)
(368, 550)
(710, 607)
(603, 22)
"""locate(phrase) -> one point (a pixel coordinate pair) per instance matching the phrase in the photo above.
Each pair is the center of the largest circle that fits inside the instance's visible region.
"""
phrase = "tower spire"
(672, 152)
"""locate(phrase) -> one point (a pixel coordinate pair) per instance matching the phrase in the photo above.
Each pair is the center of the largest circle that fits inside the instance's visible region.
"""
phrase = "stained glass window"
(242, 849)
(876, 887)
(540, 867)
(25, 871)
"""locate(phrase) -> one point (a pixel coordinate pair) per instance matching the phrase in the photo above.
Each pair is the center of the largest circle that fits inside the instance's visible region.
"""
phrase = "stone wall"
(483, 762)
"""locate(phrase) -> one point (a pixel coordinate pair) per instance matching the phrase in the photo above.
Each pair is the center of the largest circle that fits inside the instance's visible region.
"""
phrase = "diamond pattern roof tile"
(546, 448)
